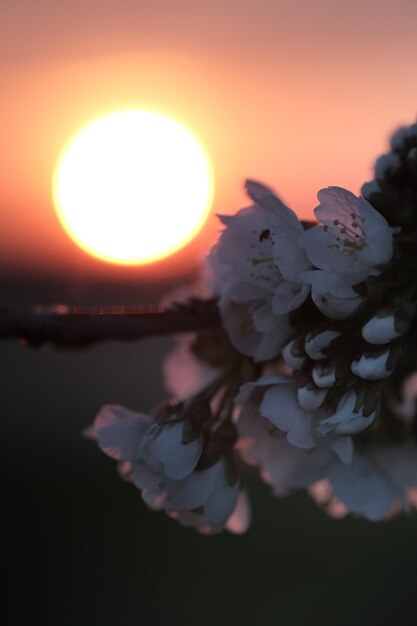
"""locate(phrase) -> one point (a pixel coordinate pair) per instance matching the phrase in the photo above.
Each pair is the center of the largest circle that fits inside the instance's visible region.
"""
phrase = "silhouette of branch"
(74, 327)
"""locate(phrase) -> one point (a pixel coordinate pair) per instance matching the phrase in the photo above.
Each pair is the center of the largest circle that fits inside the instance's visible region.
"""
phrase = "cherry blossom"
(350, 245)
(309, 372)
(174, 466)
(256, 270)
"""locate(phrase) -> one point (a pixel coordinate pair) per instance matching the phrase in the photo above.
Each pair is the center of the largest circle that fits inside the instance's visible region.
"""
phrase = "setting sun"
(133, 187)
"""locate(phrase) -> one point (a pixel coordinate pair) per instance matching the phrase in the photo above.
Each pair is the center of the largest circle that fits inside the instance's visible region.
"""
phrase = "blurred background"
(299, 95)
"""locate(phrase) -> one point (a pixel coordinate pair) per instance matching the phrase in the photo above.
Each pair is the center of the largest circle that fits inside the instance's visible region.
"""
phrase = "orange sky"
(300, 95)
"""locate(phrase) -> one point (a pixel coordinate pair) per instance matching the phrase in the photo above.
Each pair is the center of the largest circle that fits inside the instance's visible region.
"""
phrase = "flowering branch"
(73, 327)
(302, 364)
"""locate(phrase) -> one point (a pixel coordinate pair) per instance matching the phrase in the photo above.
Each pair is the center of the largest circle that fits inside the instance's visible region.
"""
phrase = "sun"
(133, 187)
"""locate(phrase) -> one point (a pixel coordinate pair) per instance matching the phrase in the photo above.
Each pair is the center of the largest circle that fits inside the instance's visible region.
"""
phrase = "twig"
(73, 327)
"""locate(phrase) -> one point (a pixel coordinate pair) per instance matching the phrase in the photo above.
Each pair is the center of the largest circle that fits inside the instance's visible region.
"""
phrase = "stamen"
(354, 240)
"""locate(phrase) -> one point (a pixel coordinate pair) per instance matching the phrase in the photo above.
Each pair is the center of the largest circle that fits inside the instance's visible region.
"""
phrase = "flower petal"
(120, 431)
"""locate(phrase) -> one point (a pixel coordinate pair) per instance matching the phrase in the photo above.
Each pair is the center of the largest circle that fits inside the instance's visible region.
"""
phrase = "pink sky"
(300, 95)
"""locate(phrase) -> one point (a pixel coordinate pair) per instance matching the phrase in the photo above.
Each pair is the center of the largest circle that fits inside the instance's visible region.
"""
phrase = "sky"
(299, 95)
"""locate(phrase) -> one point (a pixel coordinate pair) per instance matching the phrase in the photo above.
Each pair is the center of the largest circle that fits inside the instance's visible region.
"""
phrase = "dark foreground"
(82, 550)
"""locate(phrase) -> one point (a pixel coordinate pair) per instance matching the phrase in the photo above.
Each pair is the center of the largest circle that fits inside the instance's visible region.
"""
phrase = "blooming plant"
(310, 374)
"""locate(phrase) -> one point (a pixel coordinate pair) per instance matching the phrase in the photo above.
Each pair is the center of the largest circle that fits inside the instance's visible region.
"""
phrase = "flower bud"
(372, 367)
(355, 411)
(386, 325)
(387, 163)
(370, 188)
(400, 138)
(293, 353)
(310, 397)
(324, 375)
(354, 424)
(316, 343)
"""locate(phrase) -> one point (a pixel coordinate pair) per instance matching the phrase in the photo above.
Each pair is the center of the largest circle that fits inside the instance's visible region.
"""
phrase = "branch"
(73, 327)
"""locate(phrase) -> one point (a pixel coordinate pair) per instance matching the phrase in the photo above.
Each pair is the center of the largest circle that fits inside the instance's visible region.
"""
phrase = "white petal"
(268, 200)
(153, 486)
(343, 446)
(264, 319)
(280, 406)
(120, 431)
(271, 343)
(293, 354)
(354, 238)
(194, 490)
(379, 247)
(336, 308)
(354, 425)
(380, 330)
(314, 345)
(362, 488)
(222, 501)
(178, 459)
(310, 399)
(289, 296)
(242, 247)
(267, 380)
(333, 294)
(372, 368)
(336, 202)
(247, 339)
(323, 376)
(337, 285)
(346, 421)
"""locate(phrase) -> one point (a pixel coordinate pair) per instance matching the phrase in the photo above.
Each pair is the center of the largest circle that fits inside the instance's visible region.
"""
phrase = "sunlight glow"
(133, 187)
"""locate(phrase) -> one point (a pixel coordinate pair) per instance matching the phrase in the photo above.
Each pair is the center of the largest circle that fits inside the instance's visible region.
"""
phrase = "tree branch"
(73, 327)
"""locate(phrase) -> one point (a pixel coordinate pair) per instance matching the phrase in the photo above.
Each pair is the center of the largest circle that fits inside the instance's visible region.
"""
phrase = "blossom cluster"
(312, 377)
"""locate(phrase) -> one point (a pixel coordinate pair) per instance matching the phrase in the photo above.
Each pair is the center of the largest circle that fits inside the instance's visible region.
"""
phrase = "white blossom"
(380, 482)
(310, 384)
(286, 229)
(256, 269)
(351, 243)
(120, 431)
(277, 398)
(331, 294)
(210, 490)
(166, 462)
(375, 482)
(283, 466)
